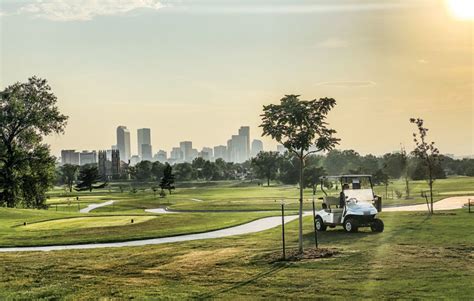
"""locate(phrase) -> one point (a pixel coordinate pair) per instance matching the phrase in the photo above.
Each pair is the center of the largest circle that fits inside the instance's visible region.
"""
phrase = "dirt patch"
(294, 255)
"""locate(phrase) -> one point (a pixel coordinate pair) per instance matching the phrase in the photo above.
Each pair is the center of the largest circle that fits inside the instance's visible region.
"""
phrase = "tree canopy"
(29, 113)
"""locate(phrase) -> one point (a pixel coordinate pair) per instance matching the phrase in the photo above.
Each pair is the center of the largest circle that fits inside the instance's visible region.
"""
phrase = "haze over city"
(199, 70)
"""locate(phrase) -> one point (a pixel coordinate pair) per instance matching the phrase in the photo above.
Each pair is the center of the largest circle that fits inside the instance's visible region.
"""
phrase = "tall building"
(123, 143)
(69, 156)
(176, 154)
(146, 153)
(144, 137)
(161, 156)
(115, 162)
(257, 146)
(86, 157)
(239, 151)
(245, 132)
(187, 150)
(103, 163)
(207, 153)
(220, 152)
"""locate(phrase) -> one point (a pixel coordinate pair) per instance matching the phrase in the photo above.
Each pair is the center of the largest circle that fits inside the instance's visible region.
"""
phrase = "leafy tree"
(88, 176)
(157, 169)
(289, 169)
(28, 113)
(69, 175)
(299, 125)
(184, 171)
(265, 165)
(143, 170)
(405, 172)
(210, 171)
(312, 175)
(167, 181)
(427, 152)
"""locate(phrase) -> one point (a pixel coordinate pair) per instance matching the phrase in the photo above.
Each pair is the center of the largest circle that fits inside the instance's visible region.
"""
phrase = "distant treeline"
(269, 166)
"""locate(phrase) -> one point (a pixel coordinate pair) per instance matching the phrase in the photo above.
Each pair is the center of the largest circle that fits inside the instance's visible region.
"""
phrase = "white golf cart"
(354, 206)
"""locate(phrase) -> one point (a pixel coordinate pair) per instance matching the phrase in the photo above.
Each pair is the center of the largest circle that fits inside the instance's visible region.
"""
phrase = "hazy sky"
(198, 70)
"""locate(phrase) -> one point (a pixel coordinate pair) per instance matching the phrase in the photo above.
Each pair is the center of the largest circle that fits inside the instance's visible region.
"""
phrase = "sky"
(198, 70)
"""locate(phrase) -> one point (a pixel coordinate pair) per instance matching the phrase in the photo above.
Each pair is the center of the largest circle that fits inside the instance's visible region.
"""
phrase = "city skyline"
(245, 56)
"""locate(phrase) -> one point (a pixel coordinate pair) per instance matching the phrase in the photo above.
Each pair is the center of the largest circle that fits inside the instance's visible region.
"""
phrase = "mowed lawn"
(417, 257)
(47, 228)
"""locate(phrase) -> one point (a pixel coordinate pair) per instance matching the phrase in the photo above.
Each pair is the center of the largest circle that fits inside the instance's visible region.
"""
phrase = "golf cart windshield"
(362, 195)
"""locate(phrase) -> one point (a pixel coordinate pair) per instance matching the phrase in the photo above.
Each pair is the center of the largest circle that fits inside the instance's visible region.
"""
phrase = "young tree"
(28, 113)
(167, 181)
(298, 125)
(265, 165)
(427, 153)
(404, 164)
(69, 175)
(88, 176)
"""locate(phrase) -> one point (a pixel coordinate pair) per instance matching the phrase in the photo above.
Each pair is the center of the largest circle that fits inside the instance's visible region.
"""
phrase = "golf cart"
(353, 206)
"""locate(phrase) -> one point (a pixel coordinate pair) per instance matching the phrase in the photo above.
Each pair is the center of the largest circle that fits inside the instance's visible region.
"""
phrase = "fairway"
(87, 222)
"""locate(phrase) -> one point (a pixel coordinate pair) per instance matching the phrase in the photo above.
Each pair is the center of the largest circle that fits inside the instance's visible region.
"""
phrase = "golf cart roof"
(345, 176)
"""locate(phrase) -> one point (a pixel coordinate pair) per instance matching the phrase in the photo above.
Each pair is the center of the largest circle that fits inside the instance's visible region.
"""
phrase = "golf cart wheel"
(350, 225)
(377, 225)
(320, 226)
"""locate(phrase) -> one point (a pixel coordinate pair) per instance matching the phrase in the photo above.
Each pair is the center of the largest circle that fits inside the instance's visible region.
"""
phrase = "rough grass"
(417, 257)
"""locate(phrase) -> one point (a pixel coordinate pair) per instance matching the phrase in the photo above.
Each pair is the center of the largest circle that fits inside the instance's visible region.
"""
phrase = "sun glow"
(461, 9)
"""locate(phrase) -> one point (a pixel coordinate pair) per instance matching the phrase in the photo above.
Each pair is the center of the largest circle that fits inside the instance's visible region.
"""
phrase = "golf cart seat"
(332, 201)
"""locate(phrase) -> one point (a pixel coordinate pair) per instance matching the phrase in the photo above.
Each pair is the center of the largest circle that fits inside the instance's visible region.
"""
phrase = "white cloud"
(82, 10)
(333, 43)
(348, 84)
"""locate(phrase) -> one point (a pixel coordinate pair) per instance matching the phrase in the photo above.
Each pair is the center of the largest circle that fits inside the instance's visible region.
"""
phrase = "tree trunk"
(407, 187)
(268, 182)
(431, 190)
(300, 217)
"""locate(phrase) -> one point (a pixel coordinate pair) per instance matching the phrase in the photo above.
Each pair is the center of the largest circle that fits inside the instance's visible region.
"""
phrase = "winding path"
(250, 227)
(95, 206)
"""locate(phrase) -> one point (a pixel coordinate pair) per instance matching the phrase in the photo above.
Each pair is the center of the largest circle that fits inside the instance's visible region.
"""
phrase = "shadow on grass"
(273, 270)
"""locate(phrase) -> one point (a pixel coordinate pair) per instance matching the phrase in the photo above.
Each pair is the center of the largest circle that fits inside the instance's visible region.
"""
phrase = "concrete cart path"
(95, 206)
(450, 203)
(251, 227)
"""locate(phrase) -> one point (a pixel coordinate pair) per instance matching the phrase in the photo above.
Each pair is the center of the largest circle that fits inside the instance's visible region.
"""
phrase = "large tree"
(300, 125)
(427, 152)
(167, 181)
(265, 165)
(88, 176)
(69, 175)
(28, 113)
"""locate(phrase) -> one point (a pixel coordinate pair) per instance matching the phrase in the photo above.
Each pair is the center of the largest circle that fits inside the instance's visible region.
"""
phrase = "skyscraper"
(187, 150)
(123, 143)
(103, 163)
(115, 162)
(220, 152)
(245, 132)
(257, 146)
(87, 157)
(69, 157)
(144, 137)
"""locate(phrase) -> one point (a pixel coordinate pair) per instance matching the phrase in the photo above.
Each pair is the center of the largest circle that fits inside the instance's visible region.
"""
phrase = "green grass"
(417, 257)
(46, 228)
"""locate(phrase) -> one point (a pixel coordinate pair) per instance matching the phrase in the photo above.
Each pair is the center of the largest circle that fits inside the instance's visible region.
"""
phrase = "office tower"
(134, 160)
(194, 154)
(257, 146)
(69, 157)
(230, 153)
(220, 152)
(146, 152)
(87, 157)
(115, 162)
(144, 137)
(207, 153)
(239, 149)
(281, 149)
(161, 156)
(245, 132)
(176, 154)
(123, 143)
(103, 163)
(186, 148)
